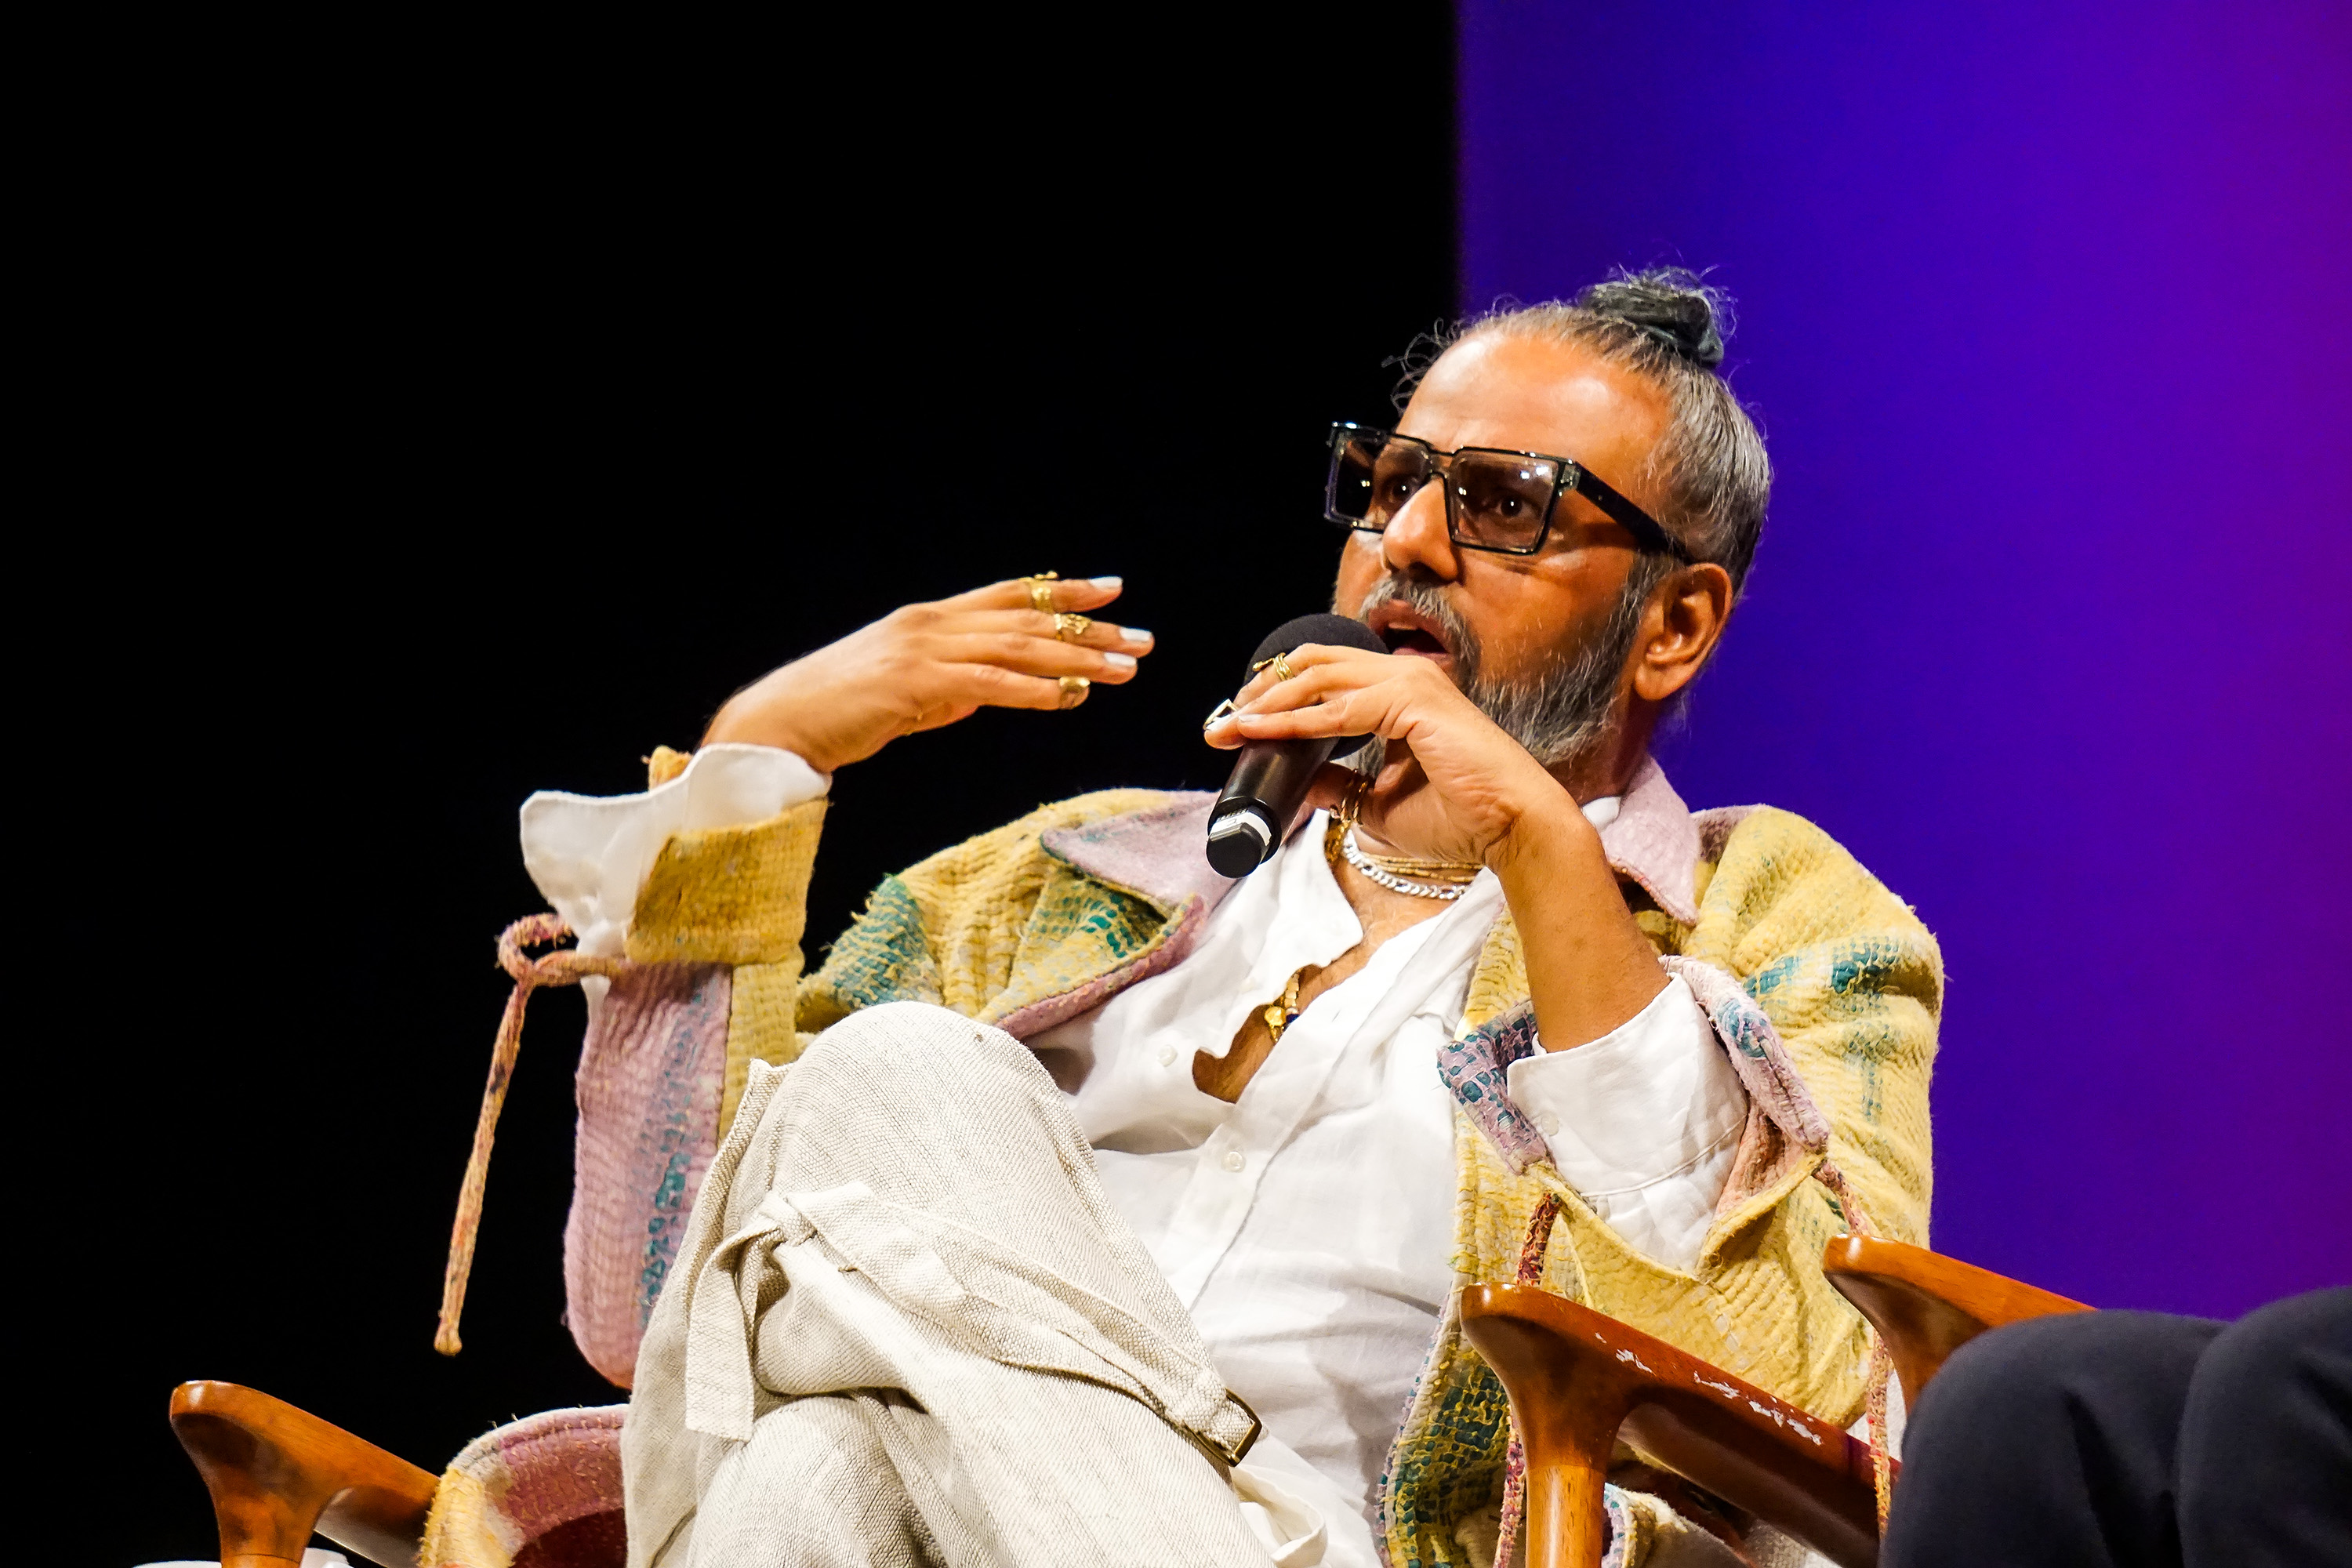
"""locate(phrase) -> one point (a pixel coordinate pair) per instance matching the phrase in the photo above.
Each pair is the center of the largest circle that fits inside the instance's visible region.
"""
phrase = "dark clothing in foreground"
(2131, 1439)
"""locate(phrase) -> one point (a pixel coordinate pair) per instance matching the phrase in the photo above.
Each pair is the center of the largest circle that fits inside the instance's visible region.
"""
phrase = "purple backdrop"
(2040, 307)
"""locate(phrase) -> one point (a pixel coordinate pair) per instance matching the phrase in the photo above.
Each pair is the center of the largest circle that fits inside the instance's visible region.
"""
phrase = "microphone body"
(1270, 778)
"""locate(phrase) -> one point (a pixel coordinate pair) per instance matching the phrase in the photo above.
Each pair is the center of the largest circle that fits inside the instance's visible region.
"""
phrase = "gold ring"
(1074, 689)
(1070, 627)
(1041, 591)
(1282, 671)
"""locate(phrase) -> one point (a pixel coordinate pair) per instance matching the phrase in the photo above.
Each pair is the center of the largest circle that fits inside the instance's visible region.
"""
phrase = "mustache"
(1425, 598)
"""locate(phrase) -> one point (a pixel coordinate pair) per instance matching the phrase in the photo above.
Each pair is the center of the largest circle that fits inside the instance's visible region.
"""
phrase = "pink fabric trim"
(1715, 825)
(1158, 854)
(1173, 948)
(1654, 840)
(649, 1089)
(1765, 1068)
(1785, 1128)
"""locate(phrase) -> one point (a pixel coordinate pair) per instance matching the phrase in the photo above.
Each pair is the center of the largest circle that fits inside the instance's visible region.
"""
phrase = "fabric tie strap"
(564, 968)
(723, 1315)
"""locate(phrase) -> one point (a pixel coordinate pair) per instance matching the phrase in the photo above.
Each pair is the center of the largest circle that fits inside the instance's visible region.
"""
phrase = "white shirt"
(1307, 1226)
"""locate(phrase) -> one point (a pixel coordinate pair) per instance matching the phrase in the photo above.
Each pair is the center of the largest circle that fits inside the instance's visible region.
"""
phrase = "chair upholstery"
(544, 1492)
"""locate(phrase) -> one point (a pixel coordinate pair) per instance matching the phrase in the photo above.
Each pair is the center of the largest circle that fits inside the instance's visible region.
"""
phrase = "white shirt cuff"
(1643, 1122)
(589, 854)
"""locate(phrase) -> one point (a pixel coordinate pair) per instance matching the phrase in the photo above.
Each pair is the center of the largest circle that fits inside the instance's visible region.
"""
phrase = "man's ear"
(1683, 623)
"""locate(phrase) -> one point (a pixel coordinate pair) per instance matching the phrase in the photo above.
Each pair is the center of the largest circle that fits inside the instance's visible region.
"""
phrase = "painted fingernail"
(1106, 582)
(1137, 635)
(1118, 660)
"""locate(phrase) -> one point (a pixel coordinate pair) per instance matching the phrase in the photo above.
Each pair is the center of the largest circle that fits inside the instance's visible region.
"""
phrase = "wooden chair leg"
(1568, 1410)
(1578, 1380)
(277, 1475)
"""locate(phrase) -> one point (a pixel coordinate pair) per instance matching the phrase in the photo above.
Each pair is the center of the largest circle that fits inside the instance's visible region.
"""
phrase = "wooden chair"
(1578, 1381)
(547, 1487)
(279, 1474)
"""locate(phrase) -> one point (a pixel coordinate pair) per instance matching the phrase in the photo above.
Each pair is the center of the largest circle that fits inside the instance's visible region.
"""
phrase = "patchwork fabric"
(1000, 924)
(885, 956)
(552, 1477)
(762, 1026)
(1821, 983)
(729, 895)
(648, 1090)
(1446, 1470)
(1476, 1068)
(1852, 985)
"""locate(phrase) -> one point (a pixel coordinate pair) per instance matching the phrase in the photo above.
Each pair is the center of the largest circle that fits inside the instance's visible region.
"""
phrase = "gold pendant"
(1279, 1016)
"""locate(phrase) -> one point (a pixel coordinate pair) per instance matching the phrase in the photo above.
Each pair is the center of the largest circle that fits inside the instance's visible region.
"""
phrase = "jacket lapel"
(1156, 856)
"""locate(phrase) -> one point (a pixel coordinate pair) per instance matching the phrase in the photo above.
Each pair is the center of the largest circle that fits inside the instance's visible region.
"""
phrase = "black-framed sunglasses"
(1495, 500)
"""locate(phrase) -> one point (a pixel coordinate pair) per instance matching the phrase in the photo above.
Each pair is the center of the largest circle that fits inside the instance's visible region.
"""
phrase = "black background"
(449, 418)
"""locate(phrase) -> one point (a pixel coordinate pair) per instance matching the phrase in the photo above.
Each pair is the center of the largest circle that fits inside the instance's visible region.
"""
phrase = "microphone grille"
(1329, 630)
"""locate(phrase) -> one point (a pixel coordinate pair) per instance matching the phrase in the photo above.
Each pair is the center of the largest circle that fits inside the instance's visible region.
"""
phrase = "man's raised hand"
(922, 665)
(1456, 787)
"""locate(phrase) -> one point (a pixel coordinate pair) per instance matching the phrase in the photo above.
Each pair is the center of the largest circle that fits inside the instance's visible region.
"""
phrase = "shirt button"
(1233, 1162)
(1167, 1056)
(1547, 1123)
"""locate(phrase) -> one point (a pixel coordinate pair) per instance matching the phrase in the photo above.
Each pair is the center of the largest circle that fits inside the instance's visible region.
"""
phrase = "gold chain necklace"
(1398, 873)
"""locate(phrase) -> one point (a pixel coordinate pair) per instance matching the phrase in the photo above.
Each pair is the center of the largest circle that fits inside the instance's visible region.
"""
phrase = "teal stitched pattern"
(884, 956)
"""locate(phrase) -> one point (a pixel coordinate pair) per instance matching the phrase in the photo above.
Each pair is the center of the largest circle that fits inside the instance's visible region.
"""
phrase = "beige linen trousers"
(905, 1327)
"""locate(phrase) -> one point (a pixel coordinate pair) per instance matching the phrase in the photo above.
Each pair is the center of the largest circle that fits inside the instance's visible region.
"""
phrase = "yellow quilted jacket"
(1811, 968)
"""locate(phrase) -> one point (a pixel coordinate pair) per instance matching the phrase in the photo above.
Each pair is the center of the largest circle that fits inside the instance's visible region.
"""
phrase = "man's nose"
(1416, 535)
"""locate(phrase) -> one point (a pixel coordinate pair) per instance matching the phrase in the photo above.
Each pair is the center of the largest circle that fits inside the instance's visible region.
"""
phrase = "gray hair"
(1668, 325)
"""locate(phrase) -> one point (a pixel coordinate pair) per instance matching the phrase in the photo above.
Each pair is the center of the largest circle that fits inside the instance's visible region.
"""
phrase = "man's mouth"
(1407, 630)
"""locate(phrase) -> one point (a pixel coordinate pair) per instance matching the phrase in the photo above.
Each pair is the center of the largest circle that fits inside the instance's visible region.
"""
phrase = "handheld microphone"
(1270, 778)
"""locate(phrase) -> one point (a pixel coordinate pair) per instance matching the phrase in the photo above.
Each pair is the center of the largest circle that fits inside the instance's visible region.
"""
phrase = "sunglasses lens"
(1372, 476)
(1501, 499)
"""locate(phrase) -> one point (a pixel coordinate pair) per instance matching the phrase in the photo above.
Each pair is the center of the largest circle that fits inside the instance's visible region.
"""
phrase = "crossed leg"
(906, 1326)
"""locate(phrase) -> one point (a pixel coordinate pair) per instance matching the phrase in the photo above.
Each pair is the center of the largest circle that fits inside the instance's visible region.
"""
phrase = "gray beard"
(1564, 713)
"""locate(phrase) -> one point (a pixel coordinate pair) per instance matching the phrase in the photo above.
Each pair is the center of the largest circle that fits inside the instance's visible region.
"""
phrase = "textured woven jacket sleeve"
(1853, 984)
(947, 931)
(1852, 981)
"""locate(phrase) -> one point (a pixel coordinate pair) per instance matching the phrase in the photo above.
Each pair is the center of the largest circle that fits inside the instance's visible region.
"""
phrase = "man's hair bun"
(1671, 304)
(1666, 324)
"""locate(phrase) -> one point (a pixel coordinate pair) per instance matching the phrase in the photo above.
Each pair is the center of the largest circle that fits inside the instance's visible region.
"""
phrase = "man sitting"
(1091, 1166)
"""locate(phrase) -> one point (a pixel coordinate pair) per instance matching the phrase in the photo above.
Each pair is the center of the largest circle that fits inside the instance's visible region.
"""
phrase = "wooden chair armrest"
(277, 1474)
(1926, 1306)
(1577, 1378)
